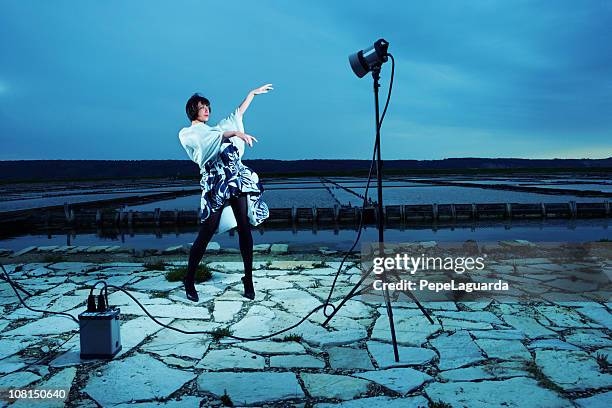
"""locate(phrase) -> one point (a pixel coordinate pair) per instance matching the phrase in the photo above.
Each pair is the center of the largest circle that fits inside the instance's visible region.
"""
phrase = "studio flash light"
(364, 61)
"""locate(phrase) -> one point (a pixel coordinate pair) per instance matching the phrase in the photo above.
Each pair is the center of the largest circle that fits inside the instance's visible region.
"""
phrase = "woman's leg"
(207, 230)
(240, 207)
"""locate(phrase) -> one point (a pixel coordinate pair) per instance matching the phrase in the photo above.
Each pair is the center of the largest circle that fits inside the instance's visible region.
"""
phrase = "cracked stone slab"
(589, 338)
(572, 370)
(504, 334)
(174, 249)
(117, 280)
(402, 380)
(279, 249)
(596, 401)
(233, 266)
(349, 358)
(231, 358)
(456, 350)
(384, 357)
(551, 344)
(492, 371)
(251, 388)
(292, 264)
(73, 267)
(379, 402)
(46, 325)
(182, 402)
(504, 349)
(96, 249)
(483, 317)
(47, 248)
(273, 347)
(269, 284)
(562, 317)
(168, 342)
(261, 320)
(411, 327)
(296, 361)
(334, 386)
(598, 314)
(225, 311)
(261, 247)
(174, 361)
(486, 394)
(11, 364)
(453, 324)
(23, 251)
(338, 323)
(168, 310)
(59, 381)
(336, 338)
(10, 346)
(19, 379)
(298, 301)
(40, 271)
(156, 283)
(528, 326)
(136, 378)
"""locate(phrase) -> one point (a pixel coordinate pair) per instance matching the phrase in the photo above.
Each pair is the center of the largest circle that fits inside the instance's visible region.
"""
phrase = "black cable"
(209, 332)
(13, 286)
(365, 195)
(18, 286)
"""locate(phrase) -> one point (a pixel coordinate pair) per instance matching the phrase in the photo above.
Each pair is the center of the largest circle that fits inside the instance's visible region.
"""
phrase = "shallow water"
(535, 231)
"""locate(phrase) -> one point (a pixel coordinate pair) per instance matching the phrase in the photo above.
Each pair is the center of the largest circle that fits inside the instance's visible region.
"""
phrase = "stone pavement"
(477, 354)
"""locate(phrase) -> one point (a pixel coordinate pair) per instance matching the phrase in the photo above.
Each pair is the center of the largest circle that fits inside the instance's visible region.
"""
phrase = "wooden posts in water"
(313, 215)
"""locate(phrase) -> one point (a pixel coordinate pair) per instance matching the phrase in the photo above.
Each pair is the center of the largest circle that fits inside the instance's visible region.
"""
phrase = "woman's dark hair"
(192, 105)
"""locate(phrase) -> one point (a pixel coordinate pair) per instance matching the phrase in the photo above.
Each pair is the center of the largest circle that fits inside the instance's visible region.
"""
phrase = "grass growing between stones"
(54, 258)
(291, 337)
(226, 400)
(438, 404)
(532, 368)
(219, 333)
(604, 364)
(155, 266)
(202, 274)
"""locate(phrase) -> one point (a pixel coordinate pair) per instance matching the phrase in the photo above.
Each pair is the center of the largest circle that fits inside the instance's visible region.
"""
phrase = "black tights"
(208, 228)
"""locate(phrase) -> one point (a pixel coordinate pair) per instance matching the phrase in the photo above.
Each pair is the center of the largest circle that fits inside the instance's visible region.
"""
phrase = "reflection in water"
(341, 239)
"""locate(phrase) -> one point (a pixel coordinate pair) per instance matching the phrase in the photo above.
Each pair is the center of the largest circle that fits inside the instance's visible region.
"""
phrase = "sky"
(109, 79)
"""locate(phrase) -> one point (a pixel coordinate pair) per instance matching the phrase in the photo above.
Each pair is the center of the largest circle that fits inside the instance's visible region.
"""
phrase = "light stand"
(362, 62)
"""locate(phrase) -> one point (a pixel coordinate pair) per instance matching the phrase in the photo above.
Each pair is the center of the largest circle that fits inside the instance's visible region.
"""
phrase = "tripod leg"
(391, 325)
(347, 297)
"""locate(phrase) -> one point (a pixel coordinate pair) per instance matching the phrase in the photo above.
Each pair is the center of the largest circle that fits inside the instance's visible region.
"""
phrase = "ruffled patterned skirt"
(227, 177)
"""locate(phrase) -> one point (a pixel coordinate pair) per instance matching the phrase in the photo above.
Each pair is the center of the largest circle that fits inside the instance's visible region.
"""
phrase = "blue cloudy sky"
(109, 79)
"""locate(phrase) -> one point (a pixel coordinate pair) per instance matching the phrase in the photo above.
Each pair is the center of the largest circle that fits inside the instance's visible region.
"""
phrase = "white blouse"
(203, 143)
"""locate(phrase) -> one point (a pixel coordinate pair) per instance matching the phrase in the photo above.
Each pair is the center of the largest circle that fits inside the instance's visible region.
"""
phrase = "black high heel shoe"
(249, 290)
(190, 291)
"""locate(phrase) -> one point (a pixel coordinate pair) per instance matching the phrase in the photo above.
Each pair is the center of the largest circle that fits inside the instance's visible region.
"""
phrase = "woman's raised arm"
(247, 101)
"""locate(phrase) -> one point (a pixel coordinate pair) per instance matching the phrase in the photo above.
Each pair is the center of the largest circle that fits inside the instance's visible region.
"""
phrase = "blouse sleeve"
(234, 122)
(202, 144)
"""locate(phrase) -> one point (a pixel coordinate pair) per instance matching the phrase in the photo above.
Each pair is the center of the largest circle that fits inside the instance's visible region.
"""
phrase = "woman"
(226, 182)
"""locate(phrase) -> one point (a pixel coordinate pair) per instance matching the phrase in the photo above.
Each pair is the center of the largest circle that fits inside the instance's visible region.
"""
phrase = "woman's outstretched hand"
(247, 101)
(262, 89)
(247, 138)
